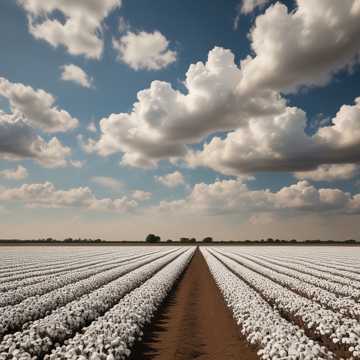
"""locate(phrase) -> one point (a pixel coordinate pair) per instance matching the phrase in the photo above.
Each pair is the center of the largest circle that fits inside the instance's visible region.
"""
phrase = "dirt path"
(194, 323)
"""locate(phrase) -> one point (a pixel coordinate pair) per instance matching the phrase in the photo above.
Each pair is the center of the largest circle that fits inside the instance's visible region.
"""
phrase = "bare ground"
(194, 323)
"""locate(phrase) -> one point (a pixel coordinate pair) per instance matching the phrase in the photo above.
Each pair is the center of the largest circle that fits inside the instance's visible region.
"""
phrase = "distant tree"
(192, 240)
(169, 241)
(350, 241)
(315, 241)
(207, 239)
(293, 240)
(68, 240)
(98, 240)
(151, 238)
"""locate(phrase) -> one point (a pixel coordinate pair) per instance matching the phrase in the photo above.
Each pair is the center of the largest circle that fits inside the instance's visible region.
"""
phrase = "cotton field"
(292, 302)
(99, 302)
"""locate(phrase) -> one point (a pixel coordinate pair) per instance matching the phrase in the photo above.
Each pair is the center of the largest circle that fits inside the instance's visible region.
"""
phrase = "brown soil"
(194, 323)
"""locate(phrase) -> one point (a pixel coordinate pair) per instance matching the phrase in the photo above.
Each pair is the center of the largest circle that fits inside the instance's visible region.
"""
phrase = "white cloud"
(143, 50)
(233, 196)
(163, 120)
(279, 143)
(19, 141)
(304, 47)
(14, 174)
(330, 172)
(81, 31)
(47, 196)
(107, 182)
(31, 109)
(123, 25)
(77, 163)
(92, 127)
(248, 6)
(36, 107)
(171, 180)
(263, 133)
(77, 75)
(141, 195)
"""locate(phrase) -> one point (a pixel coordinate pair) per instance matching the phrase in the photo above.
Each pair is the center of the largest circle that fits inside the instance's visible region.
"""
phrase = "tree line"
(152, 238)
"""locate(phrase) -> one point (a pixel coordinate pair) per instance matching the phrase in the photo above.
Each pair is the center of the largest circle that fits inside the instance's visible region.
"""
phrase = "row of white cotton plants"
(36, 277)
(348, 255)
(321, 271)
(36, 307)
(263, 326)
(329, 259)
(345, 273)
(40, 258)
(42, 335)
(302, 283)
(57, 267)
(337, 332)
(348, 268)
(47, 275)
(49, 284)
(113, 335)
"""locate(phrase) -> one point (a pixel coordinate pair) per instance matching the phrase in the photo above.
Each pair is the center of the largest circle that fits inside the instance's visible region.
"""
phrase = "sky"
(236, 119)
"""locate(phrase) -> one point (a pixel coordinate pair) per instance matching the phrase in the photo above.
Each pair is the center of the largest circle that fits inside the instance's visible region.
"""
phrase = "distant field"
(154, 302)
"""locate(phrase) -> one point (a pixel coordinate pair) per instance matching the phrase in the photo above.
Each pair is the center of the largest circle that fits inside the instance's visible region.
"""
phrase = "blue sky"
(271, 165)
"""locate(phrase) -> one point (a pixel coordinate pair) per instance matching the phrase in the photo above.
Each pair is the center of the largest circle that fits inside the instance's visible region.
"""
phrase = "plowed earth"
(194, 323)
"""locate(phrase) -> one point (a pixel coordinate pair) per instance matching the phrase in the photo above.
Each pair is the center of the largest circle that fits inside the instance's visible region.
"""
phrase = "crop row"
(42, 264)
(302, 284)
(49, 284)
(36, 307)
(58, 267)
(263, 326)
(330, 260)
(338, 333)
(321, 271)
(42, 335)
(113, 335)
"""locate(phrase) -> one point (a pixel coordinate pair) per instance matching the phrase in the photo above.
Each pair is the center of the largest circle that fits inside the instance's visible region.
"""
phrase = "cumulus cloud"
(171, 180)
(330, 172)
(47, 196)
(77, 163)
(141, 195)
(92, 127)
(233, 196)
(259, 131)
(18, 141)
(305, 47)
(36, 107)
(14, 174)
(248, 6)
(107, 182)
(163, 120)
(77, 75)
(279, 143)
(123, 25)
(81, 30)
(144, 51)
